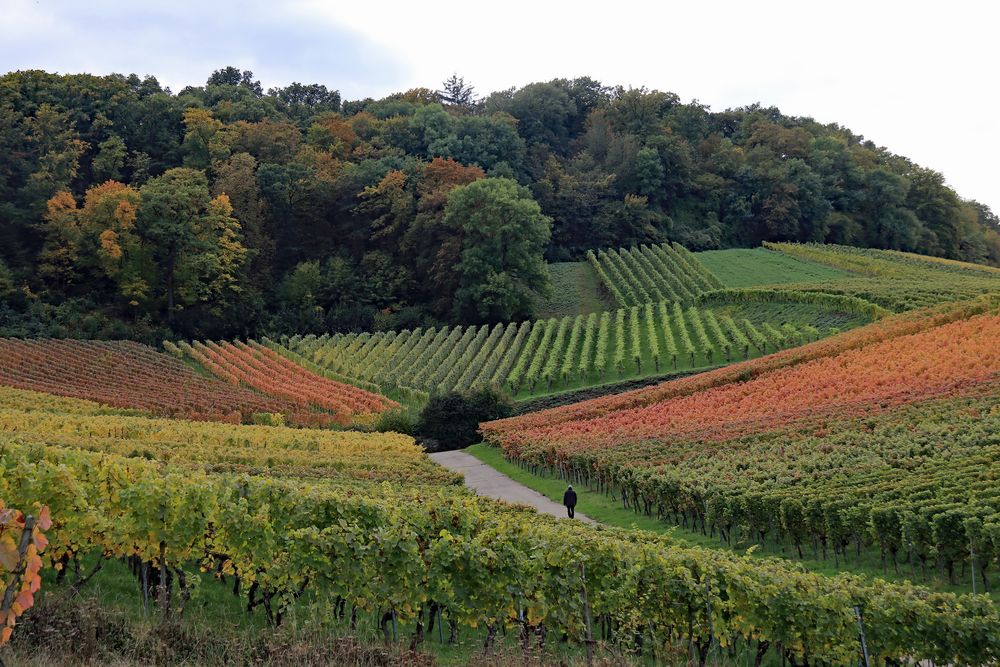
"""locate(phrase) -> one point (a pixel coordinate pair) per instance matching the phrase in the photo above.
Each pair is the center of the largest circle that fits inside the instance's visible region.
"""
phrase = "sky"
(919, 78)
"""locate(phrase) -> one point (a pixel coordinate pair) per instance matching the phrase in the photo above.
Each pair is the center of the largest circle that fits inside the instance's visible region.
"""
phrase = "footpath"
(488, 482)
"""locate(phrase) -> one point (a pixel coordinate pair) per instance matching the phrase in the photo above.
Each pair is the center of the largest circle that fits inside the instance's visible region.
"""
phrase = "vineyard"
(667, 272)
(533, 358)
(757, 267)
(884, 438)
(344, 456)
(123, 374)
(896, 281)
(406, 555)
(265, 370)
(824, 426)
(677, 316)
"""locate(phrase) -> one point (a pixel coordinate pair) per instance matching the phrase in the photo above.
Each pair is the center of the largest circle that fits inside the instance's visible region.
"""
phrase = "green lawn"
(575, 290)
(751, 267)
(604, 509)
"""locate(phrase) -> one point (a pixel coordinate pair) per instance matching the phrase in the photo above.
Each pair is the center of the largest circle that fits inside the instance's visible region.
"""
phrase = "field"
(819, 447)
(537, 358)
(754, 267)
(666, 272)
(265, 370)
(128, 375)
(575, 291)
(230, 485)
(894, 280)
(398, 554)
(342, 456)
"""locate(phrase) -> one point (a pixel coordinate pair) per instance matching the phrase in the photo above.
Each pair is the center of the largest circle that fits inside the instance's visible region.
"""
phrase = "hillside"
(307, 213)
(129, 375)
(705, 322)
(644, 339)
(786, 337)
(881, 438)
(756, 267)
(824, 427)
(379, 541)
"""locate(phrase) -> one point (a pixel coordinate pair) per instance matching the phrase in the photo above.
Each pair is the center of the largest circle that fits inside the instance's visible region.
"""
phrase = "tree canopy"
(225, 209)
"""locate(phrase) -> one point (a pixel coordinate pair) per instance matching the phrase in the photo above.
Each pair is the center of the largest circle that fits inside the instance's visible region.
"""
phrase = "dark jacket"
(569, 498)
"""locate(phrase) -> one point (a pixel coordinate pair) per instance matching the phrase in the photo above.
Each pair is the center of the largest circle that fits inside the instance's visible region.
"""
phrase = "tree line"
(223, 210)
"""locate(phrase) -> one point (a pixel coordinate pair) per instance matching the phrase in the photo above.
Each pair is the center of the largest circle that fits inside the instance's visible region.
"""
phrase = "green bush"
(268, 419)
(451, 421)
(399, 420)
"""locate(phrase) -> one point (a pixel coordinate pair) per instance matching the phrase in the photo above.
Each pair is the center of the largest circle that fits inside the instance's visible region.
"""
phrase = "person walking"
(569, 500)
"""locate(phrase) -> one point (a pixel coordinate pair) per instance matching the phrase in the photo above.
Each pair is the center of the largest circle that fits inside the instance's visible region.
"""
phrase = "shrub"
(452, 419)
(268, 419)
(398, 420)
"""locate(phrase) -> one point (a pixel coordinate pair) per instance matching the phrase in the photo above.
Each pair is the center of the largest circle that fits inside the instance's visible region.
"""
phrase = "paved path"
(487, 481)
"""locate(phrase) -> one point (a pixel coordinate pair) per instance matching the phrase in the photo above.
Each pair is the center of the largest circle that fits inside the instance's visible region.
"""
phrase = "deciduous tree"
(195, 242)
(504, 235)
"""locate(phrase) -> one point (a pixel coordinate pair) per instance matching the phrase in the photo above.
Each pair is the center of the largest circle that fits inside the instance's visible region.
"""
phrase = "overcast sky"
(920, 78)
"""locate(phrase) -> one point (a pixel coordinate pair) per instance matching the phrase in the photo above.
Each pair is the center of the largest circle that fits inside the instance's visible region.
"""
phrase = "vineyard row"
(528, 358)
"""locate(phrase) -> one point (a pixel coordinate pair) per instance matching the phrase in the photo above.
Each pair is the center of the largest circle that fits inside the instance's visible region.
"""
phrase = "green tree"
(8, 286)
(451, 421)
(574, 196)
(302, 286)
(504, 235)
(237, 178)
(889, 223)
(676, 158)
(386, 282)
(545, 112)
(200, 127)
(304, 100)
(195, 242)
(110, 159)
(297, 200)
(649, 172)
(631, 221)
(223, 256)
(456, 92)
(342, 283)
(232, 76)
(639, 111)
(938, 208)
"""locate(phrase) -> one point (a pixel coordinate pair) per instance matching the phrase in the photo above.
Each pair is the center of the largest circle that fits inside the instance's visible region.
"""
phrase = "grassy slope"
(605, 510)
(798, 314)
(742, 267)
(575, 290)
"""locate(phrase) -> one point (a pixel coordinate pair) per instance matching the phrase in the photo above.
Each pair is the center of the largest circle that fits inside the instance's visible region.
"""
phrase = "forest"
(130, 211)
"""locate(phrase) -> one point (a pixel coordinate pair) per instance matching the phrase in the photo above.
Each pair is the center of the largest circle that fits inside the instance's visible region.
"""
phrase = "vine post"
(586, 617)
(861, 637)
(972, 558)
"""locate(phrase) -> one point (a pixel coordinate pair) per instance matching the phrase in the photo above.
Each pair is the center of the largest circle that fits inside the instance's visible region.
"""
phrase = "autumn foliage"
(22, 540)
(869, 367)
(124, 374)
(264, 369)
